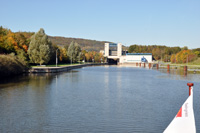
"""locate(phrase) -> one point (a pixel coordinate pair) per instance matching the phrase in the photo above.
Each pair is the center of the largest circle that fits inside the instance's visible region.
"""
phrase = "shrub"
(10, 65)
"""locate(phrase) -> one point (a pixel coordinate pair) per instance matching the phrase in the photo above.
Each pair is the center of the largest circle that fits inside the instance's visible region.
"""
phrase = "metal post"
(190, 87)
(168, 67)
(56, 58)
(79, 58)
(71, 59)
(149, 65)
(185, 70)
(157, 66)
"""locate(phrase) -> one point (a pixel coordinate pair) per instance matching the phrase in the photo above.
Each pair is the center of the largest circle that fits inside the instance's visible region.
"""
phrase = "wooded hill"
(86, 44)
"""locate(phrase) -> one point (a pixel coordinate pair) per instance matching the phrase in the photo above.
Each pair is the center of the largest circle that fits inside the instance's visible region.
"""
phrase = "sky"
(143, 22)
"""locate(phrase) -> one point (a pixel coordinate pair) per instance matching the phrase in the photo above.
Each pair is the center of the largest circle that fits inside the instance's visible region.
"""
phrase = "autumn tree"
(173, 58)
(98, 57)
(63, 55)
(40, 47)
(156, 53)
(3, 33)
(185, 55)
(87, 57)
(21, 41)
(9, 43)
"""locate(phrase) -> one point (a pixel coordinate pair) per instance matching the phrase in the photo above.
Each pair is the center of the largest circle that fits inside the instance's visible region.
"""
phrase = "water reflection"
(179, 74)
(95, 99)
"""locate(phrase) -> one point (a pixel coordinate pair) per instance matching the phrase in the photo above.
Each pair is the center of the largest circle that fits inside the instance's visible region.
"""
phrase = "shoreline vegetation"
(20, 51)
(11, 65)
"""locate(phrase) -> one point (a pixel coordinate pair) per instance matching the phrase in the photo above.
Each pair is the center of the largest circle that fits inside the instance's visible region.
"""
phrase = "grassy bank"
(11, 65)
(195, 63)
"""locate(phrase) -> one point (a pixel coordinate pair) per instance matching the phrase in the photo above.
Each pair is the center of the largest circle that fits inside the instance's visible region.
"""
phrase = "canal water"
(105, 99)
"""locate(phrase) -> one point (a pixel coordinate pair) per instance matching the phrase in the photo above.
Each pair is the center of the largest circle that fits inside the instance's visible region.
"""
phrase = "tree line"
(167, 54)
(36, 48)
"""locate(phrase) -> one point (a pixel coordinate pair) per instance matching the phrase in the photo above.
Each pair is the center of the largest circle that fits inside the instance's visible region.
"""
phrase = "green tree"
(40, 48)
(185, 48)
(66, 46)
(73, 51)
(197, 51)
(132, 48)
(22, 56)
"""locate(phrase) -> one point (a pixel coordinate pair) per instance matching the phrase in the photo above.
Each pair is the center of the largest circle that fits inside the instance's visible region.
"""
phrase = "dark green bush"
(11, 65)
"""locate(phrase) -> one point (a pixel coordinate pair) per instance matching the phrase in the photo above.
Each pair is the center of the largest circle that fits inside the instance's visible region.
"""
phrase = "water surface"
(95, 99)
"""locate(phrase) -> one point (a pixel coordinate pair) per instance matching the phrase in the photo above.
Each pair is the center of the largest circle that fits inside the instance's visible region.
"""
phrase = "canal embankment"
(60, 69)
(168, 66)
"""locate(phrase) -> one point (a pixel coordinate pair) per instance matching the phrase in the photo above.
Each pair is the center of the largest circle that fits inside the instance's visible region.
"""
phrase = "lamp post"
(56, 58)
(84, 59)
(79, 58)
(71, 59)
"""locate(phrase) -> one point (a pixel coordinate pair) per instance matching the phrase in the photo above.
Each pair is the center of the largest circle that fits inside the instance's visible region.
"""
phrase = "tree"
(40, 47)
(22, 56)
(156, 53)
(185, 55)
(185, 48)
(87, 56)
(66, 46)
(63, 55)
(173, 58)
(73, 51)
(197, 51)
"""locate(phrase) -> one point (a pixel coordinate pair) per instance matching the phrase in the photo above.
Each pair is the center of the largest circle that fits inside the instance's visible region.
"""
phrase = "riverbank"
(190, 68)
(60, 69)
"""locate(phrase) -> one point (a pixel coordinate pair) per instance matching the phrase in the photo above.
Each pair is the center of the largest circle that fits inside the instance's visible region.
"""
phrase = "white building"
(113, 52)
(135, 58)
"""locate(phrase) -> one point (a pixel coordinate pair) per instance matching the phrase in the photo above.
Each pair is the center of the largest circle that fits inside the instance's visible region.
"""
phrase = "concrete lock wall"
(106, 49)
(60, 69)
(122, 59)
(116, 54)
(119, 49)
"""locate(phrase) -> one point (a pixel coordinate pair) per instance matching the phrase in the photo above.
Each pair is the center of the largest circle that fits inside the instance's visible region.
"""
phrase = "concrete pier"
(60, 69)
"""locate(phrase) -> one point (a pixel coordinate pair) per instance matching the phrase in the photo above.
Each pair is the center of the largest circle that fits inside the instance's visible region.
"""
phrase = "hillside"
(84, 43)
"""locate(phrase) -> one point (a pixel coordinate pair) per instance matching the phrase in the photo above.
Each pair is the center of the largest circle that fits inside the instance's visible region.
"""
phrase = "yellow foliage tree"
(185, 56)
